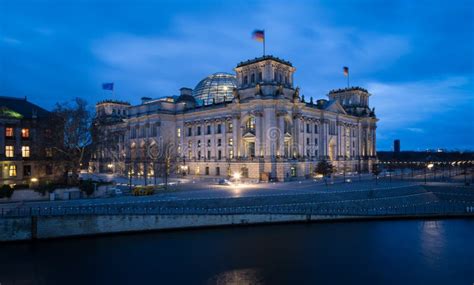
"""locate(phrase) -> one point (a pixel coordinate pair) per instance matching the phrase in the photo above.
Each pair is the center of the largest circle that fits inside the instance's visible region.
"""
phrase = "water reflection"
(432, 239)
(250, 276)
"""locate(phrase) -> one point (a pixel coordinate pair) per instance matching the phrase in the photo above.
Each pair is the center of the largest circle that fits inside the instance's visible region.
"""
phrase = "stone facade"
(26, 146)
(267, 131)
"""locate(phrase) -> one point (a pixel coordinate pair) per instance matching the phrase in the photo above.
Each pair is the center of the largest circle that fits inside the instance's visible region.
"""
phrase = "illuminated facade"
(265, 130)
(26, 147)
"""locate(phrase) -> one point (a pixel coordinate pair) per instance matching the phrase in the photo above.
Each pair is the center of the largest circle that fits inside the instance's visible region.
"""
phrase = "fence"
(428, 208)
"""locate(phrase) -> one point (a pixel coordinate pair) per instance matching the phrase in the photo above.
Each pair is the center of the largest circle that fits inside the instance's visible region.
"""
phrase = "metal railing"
(427, 208)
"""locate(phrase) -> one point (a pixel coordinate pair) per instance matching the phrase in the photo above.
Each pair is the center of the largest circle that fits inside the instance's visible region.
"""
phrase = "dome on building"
(218, 87)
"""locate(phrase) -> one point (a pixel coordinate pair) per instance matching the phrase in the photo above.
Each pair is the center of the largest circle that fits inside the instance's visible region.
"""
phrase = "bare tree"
(162, 155)
(77, 119)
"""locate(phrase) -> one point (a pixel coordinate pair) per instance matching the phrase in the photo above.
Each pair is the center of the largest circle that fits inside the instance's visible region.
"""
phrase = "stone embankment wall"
(44, 227)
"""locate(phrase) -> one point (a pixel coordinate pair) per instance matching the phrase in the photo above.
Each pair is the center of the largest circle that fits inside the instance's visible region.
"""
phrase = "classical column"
(269, 135)
(235, 134)
(281, 139)
(324, 138)
(258, 132)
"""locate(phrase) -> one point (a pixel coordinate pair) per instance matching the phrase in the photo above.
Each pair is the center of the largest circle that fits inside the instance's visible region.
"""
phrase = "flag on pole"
(108, 86)
(258, 35)
(346, 70)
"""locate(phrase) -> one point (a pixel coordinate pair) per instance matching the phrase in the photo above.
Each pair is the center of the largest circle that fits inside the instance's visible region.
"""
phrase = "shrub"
(46, 188)
(21, 186)
(87, 186)
(6, 191)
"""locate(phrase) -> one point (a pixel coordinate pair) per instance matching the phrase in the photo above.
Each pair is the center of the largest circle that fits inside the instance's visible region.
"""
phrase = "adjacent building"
(26, 147)
(254, 122)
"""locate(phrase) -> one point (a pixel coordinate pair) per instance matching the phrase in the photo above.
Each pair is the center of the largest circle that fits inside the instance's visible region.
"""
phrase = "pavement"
(359, 195)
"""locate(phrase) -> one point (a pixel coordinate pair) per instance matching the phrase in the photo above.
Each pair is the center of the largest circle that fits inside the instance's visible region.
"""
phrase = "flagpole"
(347, 79)
(264, 36)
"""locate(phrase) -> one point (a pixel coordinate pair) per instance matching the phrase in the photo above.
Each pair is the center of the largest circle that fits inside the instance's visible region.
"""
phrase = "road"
(299, 195)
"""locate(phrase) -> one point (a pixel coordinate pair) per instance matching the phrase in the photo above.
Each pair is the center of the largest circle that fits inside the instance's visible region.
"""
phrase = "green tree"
(6, 191)
(325, 169)
(376, 172)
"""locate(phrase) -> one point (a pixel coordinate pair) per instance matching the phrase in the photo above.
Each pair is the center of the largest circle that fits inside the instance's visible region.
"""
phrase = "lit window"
(231, 142)
(49, 152)
(231, 154)
(9, 151)
(179, 132)
(12, 170)
(9, 132)
(25, 151)
(229, 127)
(25, 133)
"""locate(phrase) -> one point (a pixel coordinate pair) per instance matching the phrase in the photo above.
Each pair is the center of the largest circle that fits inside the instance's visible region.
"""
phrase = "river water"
(369, 252)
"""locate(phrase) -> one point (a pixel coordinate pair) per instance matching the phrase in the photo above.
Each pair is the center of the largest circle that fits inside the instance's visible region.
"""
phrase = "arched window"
(250, 124)
(252, 78)
(245, 80)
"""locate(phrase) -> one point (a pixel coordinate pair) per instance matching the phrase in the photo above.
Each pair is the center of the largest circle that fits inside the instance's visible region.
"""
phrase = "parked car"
(224, 182)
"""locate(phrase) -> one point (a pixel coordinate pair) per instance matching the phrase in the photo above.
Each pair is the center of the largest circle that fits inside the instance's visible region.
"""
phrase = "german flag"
(258, 35)
(346, 70)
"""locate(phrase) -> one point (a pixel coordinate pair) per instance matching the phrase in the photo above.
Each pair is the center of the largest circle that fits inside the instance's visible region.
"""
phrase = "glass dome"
(217, 86)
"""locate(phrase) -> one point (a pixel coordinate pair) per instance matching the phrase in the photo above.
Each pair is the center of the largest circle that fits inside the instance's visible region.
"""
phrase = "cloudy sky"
(415, 57)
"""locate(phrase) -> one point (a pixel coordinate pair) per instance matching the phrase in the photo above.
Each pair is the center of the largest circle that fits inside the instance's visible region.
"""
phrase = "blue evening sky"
(415, 57)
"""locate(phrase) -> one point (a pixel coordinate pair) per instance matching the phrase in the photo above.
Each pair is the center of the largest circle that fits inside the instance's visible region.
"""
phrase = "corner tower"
(265, 76)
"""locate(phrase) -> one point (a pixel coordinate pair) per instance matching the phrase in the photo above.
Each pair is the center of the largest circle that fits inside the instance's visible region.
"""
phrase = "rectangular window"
(207, 170)
(25, 151)
(219, 142)
(315, 141)
(190, 132)
(25, 133)
(9, 132)
(208, 154)
(198, 131)
(49, 169)
(199, 143)
(12, 170)
(315, 129)
(219, 128)
(231, 153)
(49, 152)
(231, 142)
(218, 171)
(27, 170)
(219, 154)
(208, 129)
(178, 132)
(199, 155)
(308, 129)
(9, 151)
(229, 127)
(307, 141)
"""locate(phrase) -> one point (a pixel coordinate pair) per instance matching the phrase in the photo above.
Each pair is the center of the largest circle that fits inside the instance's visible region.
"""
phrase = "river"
(366, 252)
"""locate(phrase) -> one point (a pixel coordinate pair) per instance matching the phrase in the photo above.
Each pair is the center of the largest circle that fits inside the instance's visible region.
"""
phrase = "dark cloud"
(416, 57)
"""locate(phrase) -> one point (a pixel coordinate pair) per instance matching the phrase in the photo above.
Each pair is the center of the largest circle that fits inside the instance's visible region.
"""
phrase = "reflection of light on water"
(237, 277)
(432, 240)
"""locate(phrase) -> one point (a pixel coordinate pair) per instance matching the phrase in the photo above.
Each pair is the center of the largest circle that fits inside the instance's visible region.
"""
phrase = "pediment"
(335, 107)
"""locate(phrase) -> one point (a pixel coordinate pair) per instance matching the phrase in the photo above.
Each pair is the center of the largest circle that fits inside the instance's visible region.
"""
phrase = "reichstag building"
(254, 122)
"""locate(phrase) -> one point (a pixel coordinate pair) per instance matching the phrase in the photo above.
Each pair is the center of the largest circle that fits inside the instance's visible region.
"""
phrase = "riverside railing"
(428, 208)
